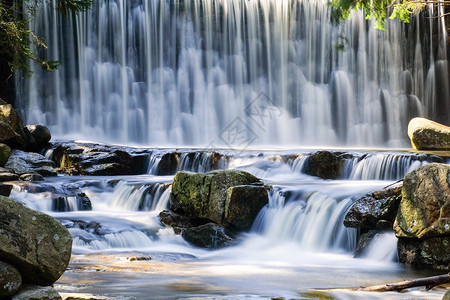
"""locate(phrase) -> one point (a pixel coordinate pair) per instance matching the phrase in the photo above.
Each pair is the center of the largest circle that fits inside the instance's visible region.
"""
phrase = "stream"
(297, 243)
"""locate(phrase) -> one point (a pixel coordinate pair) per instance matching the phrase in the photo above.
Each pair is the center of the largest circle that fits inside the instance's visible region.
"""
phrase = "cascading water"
(235, 73)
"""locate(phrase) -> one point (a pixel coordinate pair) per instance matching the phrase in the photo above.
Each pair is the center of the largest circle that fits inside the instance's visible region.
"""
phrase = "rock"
(11, 127)
(324, 164)
(38, 137)
(424, 210)
(376, 210)
(433, 252)
(34, 243)
(168, 164)
(10, 280)
(21, 162)
(5, 189)
(428, 135)
(34, 292)
(207, 236)
(5, 151)
(31, 177)
(243, 204)
(203, 195)
(7, 176)
(446, 295)
(179, 222)
(95, 159)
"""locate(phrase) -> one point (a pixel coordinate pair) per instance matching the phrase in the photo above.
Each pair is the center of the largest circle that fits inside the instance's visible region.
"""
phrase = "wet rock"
(34, 243)
(21, 162)
(5, 151)
(5, 189)
(207, 236)
(34, 292)
(11, 127)
(446, 295)
(325, 164)
(203, 195)
(243, 204)
(376, 210)
(31, 177)
(428, 135)
(178, 222)
(168, 164)
(38, 137)
(364, 241)
(7, 176)
(424, 210)
(95, 159)
(433, 252)
(10, 280)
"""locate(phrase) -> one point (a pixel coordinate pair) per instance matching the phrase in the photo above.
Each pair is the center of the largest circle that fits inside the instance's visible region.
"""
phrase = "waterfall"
(234, 74)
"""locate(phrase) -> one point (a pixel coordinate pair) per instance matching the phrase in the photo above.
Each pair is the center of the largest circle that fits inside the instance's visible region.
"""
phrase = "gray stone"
(375, 210)
(207, 236)
(433, 252)
(33, 242)
(34, 292)
(21, 162)
(10, 280)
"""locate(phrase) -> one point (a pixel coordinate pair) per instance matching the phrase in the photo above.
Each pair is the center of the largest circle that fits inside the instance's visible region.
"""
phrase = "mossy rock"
(203, 195)
(424, 210)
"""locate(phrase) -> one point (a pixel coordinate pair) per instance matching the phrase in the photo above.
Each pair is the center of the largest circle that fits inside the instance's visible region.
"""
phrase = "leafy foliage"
(16, 37)
(377, 9)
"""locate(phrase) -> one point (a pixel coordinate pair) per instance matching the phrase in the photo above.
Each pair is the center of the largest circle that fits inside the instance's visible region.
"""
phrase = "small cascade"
(297, 164)
(312, 220)
(202, 161)
(382, 248)
(383, 166)
(127, 239)
(139, 198)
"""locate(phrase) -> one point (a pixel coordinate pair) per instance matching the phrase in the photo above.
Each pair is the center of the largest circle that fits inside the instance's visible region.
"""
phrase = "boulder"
(38, 137)
(203, 195)
(433, 252)
(325, 164)
(243, 204)
(376, 210)
(5, 151)
(96, 159)
(5, 189)
(11, 127)
(424, 210)
(209, 235)
(31, 177)
(428, 135)
(10, 280)
(168, 164)
(21, 162)
(34, 292)
(34, 243)
(8, 176)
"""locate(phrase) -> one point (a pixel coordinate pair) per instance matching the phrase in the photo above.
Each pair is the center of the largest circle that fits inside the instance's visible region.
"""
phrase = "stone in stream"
(33, 242)
(34, 292)
(203, 195)
(376, 210)
(428, 135)
(423, 218)
(21, 162)
(96, 159)
(10, 280)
